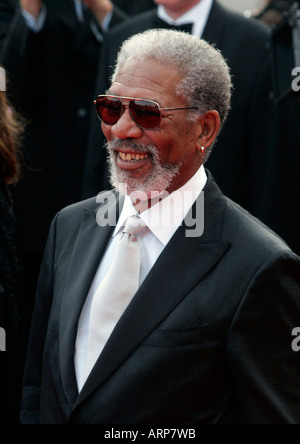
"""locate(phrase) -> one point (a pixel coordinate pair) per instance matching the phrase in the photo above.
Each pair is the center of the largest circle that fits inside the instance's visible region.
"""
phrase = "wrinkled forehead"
(146, 79)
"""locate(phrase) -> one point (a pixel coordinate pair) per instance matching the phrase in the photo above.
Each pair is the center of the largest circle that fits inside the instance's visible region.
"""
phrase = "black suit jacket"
(243, 44)
(206, 339)
(51, 82)
(7, 11)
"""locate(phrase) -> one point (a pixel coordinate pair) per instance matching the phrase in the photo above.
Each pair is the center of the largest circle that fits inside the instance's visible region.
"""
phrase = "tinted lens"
(109, 109)
(145, 113)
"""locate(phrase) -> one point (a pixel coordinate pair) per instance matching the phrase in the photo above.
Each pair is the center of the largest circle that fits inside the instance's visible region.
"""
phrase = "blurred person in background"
(271, 12)
(11, 360)
(8, 9)
(277, 177)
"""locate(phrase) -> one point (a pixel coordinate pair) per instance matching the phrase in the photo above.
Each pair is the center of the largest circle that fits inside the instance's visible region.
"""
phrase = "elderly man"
(144, 316)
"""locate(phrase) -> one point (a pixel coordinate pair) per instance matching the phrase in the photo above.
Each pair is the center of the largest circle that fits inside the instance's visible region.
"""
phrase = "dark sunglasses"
(147, 114)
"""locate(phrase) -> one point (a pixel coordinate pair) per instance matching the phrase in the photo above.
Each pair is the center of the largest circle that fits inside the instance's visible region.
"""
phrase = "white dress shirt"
(198, 15)
(162, 219)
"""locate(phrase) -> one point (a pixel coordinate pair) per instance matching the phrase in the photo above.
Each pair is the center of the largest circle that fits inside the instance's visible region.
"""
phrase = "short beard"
(155, 184)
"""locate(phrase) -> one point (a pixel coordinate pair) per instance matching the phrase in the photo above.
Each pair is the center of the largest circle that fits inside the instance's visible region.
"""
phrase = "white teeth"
(134, 157)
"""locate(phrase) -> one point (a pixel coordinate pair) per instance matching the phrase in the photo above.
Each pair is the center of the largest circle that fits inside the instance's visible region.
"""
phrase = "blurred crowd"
(58, 56)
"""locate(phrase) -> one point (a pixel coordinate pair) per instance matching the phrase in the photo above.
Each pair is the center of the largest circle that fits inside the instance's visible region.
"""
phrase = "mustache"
(138, 148)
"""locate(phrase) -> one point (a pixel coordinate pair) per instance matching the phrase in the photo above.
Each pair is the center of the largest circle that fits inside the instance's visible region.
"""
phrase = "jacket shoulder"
(78, 207)
(251, 235)
(67, 222)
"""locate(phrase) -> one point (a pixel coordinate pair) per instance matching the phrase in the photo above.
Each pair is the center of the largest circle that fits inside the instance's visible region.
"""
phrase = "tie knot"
(135, 226)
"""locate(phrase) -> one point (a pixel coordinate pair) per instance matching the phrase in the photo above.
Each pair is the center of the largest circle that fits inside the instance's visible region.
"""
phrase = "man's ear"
(209, 127)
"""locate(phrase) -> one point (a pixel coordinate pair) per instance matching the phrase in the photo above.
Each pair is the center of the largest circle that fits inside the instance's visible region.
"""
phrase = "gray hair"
(206, 81)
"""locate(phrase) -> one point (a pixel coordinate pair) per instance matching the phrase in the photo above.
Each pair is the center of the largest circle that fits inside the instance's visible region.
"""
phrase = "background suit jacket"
(243, 43)
(204, 340)
(8, 8)
(7, 11)
(277, 178)
(133, 7)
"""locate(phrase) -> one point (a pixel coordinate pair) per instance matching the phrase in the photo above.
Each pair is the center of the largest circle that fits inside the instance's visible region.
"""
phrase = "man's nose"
(126, 128)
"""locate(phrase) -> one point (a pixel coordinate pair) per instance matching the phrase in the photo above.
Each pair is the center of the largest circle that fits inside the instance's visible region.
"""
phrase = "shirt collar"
(198, 15)
(165, 217)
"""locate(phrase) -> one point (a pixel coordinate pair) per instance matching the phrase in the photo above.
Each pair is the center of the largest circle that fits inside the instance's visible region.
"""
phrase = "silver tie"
(115, 291)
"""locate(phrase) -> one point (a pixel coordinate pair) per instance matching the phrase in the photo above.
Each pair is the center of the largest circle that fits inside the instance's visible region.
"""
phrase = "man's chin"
(150, 187)
(139, 193)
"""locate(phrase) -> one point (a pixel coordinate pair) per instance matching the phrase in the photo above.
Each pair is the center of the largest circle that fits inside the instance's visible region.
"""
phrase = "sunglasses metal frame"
(128, 100)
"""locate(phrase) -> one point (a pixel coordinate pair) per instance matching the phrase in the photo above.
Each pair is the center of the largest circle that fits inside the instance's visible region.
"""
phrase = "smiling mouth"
(132, 161)
(129, 157)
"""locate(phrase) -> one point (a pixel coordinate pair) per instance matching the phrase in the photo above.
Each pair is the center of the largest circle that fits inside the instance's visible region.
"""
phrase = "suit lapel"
(214, 29)
(89, 248)
(63, 10)
(170, 280)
